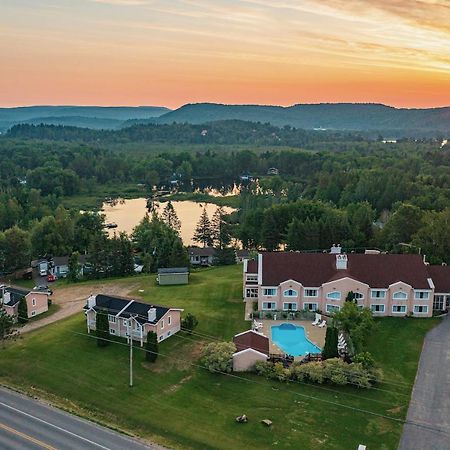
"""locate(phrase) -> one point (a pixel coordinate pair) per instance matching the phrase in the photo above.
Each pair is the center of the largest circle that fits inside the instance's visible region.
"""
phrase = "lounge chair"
(316, 322)
(323, 324)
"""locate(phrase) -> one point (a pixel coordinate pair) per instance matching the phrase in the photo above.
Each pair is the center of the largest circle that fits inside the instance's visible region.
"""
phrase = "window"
(33, 313)
(168, 333)
(162, 324)
(310, 292)
(336, 295)
(398, 308)
(358, 296)
(111, 318)
(378, 293)
(311, 306)
(33, 302)
(421, 295)
(137, 326)
(333, 308)
(125, 322)
(290, 293)
(290, 306)
(439, 302)
(269, 291)
(377, 308)
(269, 305)
(160, 338)
(251, 292)
(251, 278)
(169, 320)
(399, 296)
(421, 309)
(112, 331)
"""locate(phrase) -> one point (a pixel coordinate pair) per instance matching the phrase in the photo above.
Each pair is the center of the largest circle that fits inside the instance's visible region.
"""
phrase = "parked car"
(43, 288)
(51, 278)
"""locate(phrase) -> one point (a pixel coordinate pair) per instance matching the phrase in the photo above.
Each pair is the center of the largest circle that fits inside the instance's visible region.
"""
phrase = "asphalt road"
(430, 400)
(26, 424)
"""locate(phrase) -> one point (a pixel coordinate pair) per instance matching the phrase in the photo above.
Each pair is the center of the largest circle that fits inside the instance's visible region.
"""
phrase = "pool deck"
(315, 334)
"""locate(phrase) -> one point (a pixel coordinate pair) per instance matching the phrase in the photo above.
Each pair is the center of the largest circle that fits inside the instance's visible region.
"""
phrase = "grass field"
(182, 405)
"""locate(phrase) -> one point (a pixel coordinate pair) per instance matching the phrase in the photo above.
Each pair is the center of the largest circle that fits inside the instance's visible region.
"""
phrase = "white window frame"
(360, 294)
(137, 326)
(125, 322)
(33, 313)
(399, 292)
(421, 292)
(251, 278)
(439, 302)
(374, 297)
(334, 298)
(269, 309)
(420, 306)
(311, 303)
(269, 289)
(251, 292)
(306, 295)
(112, 331)
(111, 318)
(290, 303)
(295, 293)
(334, 308)
(377, 305)
(169, 320)
(33, 302)
(398, 306)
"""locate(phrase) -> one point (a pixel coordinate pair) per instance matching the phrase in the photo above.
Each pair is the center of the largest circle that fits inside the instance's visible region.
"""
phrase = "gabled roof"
(251, 339)
(174, 270)
(15, 294)
(441, 278)
(128, 307)
(64, 260)
(200, 251)
(315, 269)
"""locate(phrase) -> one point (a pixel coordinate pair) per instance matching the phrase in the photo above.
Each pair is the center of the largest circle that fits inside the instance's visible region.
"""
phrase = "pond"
(128, 213)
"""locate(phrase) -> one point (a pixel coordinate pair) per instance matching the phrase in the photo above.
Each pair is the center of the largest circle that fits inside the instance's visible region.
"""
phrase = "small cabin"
(173, 275)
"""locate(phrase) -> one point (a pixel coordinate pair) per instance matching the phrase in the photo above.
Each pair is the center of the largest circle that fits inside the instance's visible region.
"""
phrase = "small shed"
(173, 275)
(251, 347)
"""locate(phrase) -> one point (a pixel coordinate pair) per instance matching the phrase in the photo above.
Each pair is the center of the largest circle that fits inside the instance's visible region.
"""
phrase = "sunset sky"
(172, 52)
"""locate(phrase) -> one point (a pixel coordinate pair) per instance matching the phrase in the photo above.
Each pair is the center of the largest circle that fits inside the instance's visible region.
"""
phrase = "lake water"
(128, 213)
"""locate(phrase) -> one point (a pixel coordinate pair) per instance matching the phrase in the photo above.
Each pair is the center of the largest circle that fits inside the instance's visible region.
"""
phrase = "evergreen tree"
(350, 297)
(102, 328)
(189, 323)
(22, 311)
(203, 232)
(220, 229)
(7, 330)
(125, 255)
(178, 255)
(330, 349)
(225, 256)
(151, 347)
(170, 218)
(74, 267)
(98, 256)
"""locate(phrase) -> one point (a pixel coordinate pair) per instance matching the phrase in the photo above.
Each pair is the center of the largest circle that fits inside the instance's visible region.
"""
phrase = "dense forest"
(334, 189)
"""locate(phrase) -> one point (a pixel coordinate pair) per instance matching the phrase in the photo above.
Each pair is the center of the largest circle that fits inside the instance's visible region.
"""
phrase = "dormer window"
(399, 295)
(290, 293)
(335, 295)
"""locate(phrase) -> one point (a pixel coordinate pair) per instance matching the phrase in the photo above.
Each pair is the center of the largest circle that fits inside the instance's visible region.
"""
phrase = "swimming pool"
(292, 340)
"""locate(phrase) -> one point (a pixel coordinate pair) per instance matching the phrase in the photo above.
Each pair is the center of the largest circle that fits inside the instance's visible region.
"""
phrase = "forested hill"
(338, 116)
(80, 116)
(227, 132)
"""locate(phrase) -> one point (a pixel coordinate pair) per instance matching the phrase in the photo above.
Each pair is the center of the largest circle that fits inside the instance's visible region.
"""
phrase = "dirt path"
(72, 299)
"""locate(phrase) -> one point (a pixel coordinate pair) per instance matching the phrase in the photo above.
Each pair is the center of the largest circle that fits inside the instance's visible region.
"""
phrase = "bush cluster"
(333, 371)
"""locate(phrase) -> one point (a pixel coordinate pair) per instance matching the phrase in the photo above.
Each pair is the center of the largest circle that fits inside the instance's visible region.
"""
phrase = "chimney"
(341, 262)
(335, 249)
(91, 301)
(152, 314)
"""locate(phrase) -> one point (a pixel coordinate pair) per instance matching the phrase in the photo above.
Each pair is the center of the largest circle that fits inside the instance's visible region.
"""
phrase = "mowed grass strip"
(177, 403)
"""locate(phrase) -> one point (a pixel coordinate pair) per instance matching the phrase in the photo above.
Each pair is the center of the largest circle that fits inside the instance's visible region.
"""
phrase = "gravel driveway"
(430, 401)
(71, 300)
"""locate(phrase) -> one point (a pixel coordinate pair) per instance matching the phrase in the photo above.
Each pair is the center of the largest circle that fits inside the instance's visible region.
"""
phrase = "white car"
(138, 268)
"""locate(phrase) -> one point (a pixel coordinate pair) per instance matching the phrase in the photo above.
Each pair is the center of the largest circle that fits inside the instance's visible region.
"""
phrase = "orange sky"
(160, 52)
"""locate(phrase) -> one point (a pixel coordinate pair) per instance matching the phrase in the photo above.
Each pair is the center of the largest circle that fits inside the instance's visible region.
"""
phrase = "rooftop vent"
(341, 262)
(152, 314)
(91, 301)
(336, 249)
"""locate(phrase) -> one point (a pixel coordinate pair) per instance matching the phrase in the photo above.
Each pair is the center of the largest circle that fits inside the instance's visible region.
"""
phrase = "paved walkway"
(430, 401)
(71, 300)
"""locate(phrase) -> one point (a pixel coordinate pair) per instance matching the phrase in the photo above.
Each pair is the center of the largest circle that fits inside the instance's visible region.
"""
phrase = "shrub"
(315, 372)
(151, 347)
(280, 373)
(264, 368)
(218, 356)
(299, 372)
(189, 323)
(365, 359)
(331, 341)
(22, 311)
(335, 370)
(102, 328)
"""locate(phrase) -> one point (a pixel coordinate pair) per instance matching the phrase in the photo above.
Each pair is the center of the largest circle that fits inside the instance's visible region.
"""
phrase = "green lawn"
(182, 405)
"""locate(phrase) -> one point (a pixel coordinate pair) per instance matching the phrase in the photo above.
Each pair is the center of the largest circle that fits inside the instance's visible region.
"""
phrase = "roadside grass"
(177, 403)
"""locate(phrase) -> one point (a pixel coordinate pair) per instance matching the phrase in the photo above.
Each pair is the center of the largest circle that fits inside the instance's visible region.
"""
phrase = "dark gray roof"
(15, 294)
(174, 270)
(113, 305)
(64, 260)
(200, 251)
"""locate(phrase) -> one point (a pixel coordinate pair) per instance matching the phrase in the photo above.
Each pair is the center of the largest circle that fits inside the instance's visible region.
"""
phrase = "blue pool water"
(292, 340)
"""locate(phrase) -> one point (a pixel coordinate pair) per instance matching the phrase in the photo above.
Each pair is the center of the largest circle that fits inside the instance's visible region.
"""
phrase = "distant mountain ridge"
(333, 116)
(96, 117)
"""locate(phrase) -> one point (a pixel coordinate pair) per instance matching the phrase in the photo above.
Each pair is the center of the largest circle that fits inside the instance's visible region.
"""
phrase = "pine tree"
(178, 255)
(189, 323)
(170, 218)
(22, 311)
(151, 347)
(330, 349)
(220, 229)
(74, 267)
(102, 328)
(203, 232)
